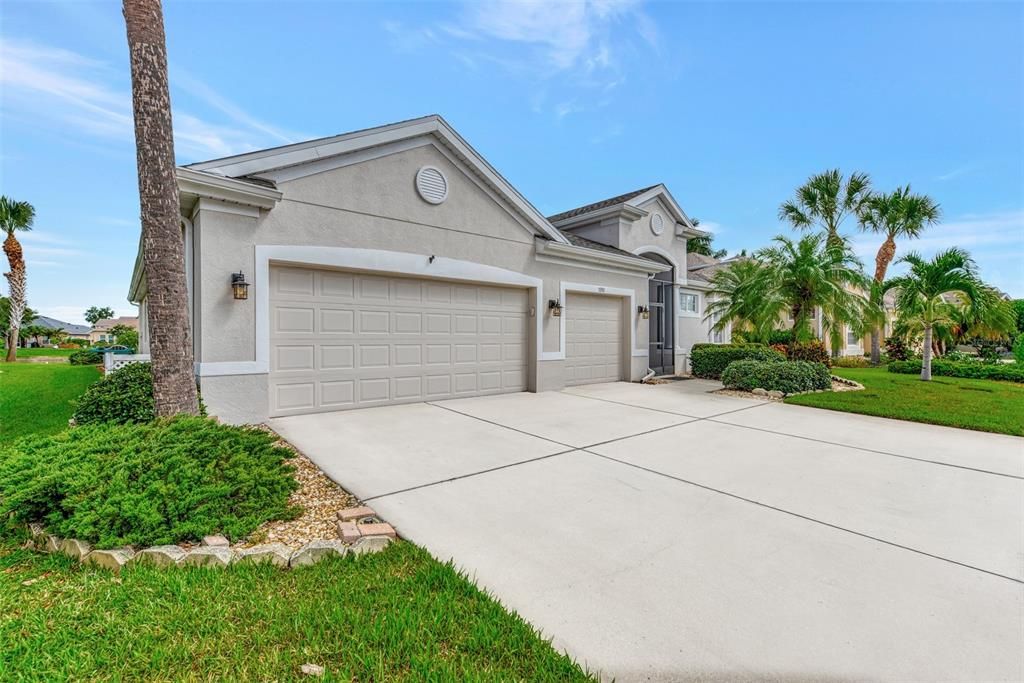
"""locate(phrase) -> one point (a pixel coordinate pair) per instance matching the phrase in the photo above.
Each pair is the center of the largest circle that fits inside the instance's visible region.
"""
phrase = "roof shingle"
(587, 208)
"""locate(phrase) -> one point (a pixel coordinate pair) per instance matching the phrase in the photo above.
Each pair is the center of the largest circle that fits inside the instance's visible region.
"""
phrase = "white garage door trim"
(343, 339)
(634, 317)
(370, 260)
(595, 340)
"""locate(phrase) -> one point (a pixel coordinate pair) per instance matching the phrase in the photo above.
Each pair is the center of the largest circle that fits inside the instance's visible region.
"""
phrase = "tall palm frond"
(825, 201)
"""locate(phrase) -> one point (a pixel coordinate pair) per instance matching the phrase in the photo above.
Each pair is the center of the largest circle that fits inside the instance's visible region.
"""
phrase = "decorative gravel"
(836, 386)
(320, 500)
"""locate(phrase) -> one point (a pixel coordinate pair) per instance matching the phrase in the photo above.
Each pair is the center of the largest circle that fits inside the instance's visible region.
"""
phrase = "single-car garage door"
(341, 340)
(593, 339)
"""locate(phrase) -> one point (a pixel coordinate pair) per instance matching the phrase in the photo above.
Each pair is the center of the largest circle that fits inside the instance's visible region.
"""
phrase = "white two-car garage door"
(341, 340)
(594, 336)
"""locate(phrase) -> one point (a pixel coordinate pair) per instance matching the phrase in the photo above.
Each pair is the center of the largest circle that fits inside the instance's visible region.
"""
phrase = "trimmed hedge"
(1004, 372)
(167, 481)
(122, 396)
(851, 362)
(789, 377)
(710, 360)
(85, 357)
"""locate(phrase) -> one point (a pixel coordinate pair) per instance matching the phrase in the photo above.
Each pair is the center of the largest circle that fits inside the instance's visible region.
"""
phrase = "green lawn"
(396, 615)
(48, 353)
(984, 405)
(35, 398)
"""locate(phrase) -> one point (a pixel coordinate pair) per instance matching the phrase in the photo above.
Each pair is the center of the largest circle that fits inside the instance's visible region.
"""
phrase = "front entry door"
(662, 322)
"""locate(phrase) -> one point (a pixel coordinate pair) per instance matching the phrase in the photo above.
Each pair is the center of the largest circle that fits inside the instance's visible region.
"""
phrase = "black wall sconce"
(555, 306)
(239, 287)
(644, 312)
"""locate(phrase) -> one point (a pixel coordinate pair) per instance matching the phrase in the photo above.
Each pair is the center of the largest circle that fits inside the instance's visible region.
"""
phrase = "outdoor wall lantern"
(239, 287)
(555, 306)
(644, 312)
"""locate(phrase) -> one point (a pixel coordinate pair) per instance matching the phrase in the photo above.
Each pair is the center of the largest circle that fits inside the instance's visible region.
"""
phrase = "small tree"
(825, 201)
(126, 336)
(15, 216)
(932, 292)
(97, 313)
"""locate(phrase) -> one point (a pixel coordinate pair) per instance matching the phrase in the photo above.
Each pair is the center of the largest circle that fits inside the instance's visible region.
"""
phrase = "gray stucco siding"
(372, 205)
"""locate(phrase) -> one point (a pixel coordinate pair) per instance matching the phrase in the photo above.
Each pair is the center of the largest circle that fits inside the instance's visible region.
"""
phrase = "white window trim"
(687, 314)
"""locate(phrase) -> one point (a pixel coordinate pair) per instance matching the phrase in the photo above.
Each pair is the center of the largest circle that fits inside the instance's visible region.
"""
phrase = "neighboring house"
(70, 329)
(101, 331)
(395, 265)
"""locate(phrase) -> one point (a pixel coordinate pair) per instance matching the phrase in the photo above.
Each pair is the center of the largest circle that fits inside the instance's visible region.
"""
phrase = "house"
(101, 332)
(396, 265)
(70, 329)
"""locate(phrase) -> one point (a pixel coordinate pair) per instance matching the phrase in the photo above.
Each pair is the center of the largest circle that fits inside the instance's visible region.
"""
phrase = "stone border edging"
(215, 550)
(776, 394)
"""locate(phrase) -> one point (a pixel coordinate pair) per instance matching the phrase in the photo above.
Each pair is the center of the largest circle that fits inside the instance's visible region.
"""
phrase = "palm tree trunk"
(884, 257)
(16, 282)
(926, 353)
(876, 346)
(163, 249)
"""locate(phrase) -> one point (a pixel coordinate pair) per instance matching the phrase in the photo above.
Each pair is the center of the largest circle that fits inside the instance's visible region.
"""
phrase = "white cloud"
(582, 42)
(67, 90)
(973, 232)
(956, 172)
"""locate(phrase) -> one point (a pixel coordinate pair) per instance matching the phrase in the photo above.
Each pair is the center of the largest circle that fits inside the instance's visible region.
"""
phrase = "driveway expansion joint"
(860, 448)
(813, 520)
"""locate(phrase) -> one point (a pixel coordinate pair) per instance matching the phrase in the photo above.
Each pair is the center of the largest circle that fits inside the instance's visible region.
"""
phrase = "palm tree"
(163, 249)
(703, 245)
(14, 216)
(931, 292)
(816, 273)
(825, 201)
(743, 295)
(790, 277)
(898, 214)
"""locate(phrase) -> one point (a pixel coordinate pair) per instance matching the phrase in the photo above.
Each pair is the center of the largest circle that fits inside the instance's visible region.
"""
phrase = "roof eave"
(571, 252)
(624, 210)
(193, 185)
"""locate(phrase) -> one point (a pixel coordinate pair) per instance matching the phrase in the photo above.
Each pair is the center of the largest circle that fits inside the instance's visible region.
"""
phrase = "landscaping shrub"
(851, 362)
(85, 357)
(810, 351)
(781, 348)
(122, 396)
(167, 481)
(788, 377)
(1006, 372)
(1018, 348)
(784, 337)
(897, 349)
(709, 360)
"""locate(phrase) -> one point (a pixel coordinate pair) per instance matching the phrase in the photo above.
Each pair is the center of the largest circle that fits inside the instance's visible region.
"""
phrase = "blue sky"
(732, 105)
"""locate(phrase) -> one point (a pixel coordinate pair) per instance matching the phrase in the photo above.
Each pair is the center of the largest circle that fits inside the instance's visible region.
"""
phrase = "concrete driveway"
(665, 533)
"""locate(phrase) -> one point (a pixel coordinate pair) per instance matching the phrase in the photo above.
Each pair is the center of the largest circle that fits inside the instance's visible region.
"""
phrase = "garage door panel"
(344, 340)
(595, 339)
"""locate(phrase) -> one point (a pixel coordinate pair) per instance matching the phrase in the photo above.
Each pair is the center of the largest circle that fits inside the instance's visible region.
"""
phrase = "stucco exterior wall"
(370, 205)
(638, 235)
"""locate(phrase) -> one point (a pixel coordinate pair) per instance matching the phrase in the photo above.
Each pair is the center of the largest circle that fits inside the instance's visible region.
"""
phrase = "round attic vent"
(657, 224)
(432, 185)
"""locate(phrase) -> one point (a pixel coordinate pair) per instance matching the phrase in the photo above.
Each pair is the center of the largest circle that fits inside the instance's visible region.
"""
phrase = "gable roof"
(595, 206)
(53, 323)
(702, 268)
(631, 201)
(107, 323)
(249, 167)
